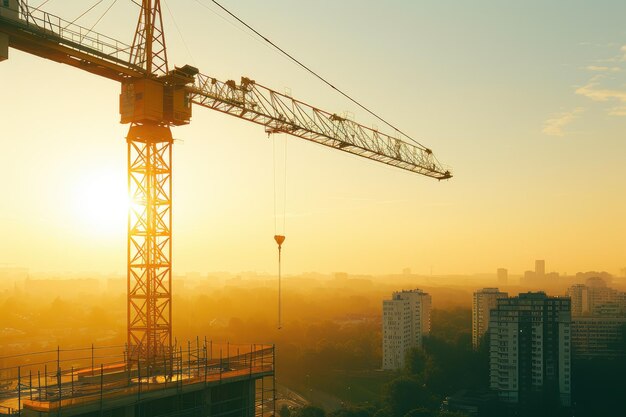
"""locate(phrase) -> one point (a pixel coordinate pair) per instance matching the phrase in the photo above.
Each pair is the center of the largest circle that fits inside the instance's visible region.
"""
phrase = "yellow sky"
(525, 103)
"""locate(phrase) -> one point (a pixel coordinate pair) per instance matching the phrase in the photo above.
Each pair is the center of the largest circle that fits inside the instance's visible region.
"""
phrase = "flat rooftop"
(87, 378)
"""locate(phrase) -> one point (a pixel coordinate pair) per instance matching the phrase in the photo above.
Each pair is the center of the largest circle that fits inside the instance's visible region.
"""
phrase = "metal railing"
(72, 35)
(57, 379)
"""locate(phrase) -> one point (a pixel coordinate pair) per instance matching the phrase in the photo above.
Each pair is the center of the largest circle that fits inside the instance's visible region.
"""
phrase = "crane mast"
(143, 103)
(153, 99)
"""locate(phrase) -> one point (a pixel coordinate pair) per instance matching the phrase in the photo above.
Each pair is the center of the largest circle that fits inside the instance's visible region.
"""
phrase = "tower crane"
(154, 98)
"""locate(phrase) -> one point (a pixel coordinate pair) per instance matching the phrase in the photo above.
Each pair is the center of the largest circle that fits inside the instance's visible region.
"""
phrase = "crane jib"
(38, 32)
(280, 113)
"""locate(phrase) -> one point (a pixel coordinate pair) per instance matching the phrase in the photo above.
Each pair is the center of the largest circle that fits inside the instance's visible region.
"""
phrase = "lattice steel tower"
(148, 105)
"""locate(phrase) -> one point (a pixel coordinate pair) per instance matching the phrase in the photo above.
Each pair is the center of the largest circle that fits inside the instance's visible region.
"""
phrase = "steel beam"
(149, 245)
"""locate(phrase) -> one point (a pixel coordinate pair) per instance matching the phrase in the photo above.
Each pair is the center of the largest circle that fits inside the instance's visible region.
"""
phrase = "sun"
(100, 203)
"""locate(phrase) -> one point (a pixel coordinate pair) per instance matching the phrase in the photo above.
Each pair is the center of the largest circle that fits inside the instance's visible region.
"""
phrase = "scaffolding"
(98, 376)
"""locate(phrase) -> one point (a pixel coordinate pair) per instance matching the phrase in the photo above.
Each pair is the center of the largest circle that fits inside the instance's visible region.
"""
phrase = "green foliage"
(454, 366)
(448, 362)
(420, 412)
(284, 411)
(309, 411)
(445, 364)
(383, 412)
(354, 412)
(416, 362)
(349, 387)
(598, 386)
(452, 326)
(405, 394)
(451, 414)
(328, 346)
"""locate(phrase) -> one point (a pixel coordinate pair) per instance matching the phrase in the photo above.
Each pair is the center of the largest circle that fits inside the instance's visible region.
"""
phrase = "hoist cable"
(285, 190)
(279, 238)
(280, 298)
(98, 21)
(84, 13)
(40, 6)
(274, 161)
(288, 55)
(179, 32)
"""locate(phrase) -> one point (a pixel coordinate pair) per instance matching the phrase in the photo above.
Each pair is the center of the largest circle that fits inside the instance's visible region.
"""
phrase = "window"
(5, 3)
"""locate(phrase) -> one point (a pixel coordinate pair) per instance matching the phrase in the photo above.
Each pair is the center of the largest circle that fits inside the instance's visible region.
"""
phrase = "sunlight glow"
(101, 204)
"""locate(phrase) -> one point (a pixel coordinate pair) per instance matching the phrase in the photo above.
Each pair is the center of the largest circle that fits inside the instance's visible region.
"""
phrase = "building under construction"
(202, 378)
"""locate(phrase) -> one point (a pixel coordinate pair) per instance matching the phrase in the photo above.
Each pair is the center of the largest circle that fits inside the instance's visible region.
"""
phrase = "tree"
(284, 411)
(309, 411)
(383, 412)
(420, 412)
(453, 326)
(354, 412)
(405, 394)
(416, 361)
(451, 414)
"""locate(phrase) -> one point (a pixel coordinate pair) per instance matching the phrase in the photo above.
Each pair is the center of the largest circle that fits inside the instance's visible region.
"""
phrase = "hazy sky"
(525, 101)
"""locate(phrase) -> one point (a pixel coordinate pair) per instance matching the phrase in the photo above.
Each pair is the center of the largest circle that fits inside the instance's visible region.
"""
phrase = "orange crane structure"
(155, 97)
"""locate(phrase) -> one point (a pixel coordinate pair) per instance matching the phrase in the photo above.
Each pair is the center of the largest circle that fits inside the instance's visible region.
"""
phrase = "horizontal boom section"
(37, 32)
(280, 113)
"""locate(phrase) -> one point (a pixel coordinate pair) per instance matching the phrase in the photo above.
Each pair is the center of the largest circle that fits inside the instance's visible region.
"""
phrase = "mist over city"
(331, 350)
(312, 209)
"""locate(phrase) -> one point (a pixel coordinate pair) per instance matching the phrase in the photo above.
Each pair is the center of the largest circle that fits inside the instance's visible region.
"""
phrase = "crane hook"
(279, 240)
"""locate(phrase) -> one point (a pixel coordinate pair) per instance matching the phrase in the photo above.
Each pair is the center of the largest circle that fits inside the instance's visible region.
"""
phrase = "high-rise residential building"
(540, 268)
(530, 351)
(503, 276)
(483, 302)
(594, 297)
(580, 303)
(598, 320)
(598, 336)
(406, 319)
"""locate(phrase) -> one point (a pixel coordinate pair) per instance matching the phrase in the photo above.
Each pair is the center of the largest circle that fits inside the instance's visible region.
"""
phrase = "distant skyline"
(526, 102)
(69, 274)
